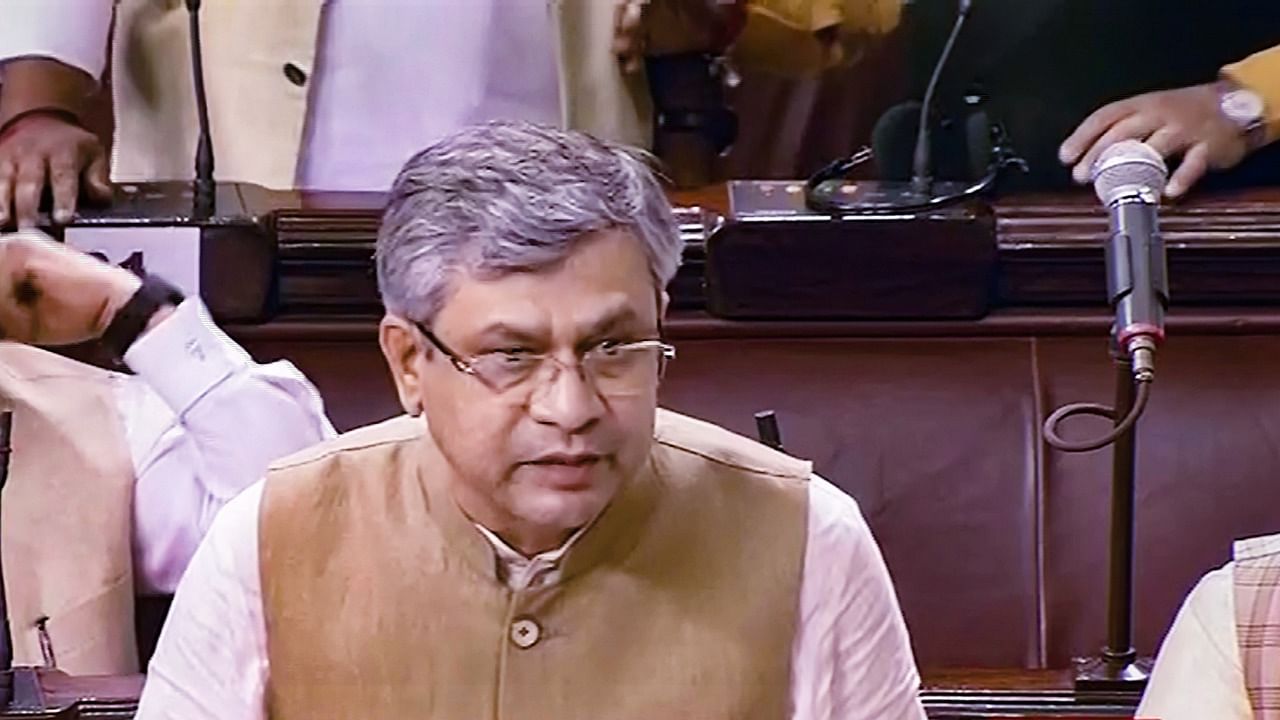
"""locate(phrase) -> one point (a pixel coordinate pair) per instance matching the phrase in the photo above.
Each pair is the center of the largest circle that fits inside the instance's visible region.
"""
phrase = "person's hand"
(51, 294)
(1186, 122)
(43, 149)
(628, 34)
(641, 27)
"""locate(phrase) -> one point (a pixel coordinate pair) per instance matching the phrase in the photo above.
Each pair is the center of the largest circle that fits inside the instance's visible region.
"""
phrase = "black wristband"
(132, 318)
(50, 111)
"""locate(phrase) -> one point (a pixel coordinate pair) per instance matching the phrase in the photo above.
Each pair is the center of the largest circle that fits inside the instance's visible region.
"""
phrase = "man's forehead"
(603, 278)
(602, 314)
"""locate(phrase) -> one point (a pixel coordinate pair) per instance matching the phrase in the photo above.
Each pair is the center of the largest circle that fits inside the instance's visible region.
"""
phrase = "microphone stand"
(203, 202)
(1119, 668)
(1129, 180)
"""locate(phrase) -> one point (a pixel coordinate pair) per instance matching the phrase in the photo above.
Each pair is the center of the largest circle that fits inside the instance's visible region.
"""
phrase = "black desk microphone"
(203, 203)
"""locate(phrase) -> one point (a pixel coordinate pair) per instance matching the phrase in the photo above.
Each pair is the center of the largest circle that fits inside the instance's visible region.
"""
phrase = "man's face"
(553, 451)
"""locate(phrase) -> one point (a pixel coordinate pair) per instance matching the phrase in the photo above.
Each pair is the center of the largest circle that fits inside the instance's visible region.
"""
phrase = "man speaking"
(534, 538)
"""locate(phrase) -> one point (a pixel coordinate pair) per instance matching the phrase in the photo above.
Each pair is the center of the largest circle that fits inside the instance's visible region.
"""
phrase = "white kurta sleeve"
(203, 421)
(73, 32)
(1198, 673)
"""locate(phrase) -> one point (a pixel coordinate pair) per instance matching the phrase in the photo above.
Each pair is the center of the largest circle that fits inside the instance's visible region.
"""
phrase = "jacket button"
(295, 74)
(525, 633)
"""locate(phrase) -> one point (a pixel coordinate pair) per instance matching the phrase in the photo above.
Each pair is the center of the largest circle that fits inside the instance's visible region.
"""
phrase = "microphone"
(1129, 178)
(922, 168)
(958, 150)
(182, 231)
(203, 201)
(920, 194)
(893, 141)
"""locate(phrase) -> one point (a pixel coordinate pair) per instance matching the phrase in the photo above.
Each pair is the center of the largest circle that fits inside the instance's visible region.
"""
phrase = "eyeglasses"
(614, 368)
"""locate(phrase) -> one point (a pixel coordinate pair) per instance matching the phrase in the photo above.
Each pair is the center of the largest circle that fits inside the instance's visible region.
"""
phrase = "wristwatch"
(1246, 110)
(132, 318)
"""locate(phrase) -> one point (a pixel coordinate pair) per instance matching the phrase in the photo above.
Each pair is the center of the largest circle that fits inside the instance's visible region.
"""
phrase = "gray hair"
(509, 197)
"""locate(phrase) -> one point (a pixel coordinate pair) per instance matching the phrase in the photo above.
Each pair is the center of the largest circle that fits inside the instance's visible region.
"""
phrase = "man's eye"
(610, 346)
(512, 350)
(512, 354)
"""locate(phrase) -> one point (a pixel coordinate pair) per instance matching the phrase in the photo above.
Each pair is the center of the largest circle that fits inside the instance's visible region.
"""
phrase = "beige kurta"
(680, 601)
(67, 515)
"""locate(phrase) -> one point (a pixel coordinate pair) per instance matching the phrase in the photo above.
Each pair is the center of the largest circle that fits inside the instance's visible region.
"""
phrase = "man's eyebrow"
(504, 329)
(610, 320)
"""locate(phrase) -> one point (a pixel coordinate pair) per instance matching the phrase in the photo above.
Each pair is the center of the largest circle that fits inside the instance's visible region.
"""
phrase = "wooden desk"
(50, 695)
(964, 694)
(947, 695)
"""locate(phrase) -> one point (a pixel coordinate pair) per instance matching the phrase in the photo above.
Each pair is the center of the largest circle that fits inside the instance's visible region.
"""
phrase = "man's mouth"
(570, 459)
(565, 471)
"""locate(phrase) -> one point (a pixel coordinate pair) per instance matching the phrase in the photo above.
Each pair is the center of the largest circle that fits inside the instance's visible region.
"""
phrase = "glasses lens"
(503, 371)
(617, 370)
(625, 369)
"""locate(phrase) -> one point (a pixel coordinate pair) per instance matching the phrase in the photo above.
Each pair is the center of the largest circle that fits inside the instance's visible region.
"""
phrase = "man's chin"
(563, 502)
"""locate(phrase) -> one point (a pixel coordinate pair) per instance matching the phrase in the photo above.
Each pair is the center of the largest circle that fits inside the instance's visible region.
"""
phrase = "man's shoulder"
(363, 441)
(690, 439)
(1256, 548)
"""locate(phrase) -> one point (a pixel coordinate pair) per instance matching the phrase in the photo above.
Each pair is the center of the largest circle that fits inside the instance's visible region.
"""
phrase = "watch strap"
(132, 318)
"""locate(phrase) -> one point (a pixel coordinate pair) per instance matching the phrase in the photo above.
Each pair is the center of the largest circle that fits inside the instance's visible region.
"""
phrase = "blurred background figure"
(334, 94)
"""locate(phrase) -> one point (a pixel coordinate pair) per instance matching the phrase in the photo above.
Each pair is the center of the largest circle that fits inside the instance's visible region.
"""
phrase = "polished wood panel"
(1223, 248)
(956, 694)
(1224, 251)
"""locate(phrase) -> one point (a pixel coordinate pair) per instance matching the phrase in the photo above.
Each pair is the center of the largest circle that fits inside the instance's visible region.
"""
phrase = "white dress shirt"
(1198, 673)
(851, 657)
(391, 76)
(202, 422)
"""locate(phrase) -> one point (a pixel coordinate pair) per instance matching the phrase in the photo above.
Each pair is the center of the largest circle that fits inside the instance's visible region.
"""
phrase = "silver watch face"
(1243, 107)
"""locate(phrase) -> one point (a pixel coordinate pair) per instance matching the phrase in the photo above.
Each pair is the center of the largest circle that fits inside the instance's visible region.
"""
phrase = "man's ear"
(405, 359)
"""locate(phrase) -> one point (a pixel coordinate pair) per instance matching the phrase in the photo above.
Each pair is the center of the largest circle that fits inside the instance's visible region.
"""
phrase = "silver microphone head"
(1129, 167)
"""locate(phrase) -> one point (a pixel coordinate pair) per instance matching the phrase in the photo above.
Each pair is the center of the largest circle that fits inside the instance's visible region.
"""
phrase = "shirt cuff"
(1260, 73)
(185, 356)
(73, 32)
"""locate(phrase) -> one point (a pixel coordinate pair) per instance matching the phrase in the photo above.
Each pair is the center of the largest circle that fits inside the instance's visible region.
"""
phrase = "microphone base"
(884, 196)
(20, 688)
(1112, 674)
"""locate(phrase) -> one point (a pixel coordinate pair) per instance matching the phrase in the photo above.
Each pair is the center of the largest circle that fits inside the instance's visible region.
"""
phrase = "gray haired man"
(534, 538)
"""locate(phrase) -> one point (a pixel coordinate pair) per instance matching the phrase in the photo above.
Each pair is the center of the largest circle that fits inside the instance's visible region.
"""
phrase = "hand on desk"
(41, 150)
(1186, 122)
(51, 294)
